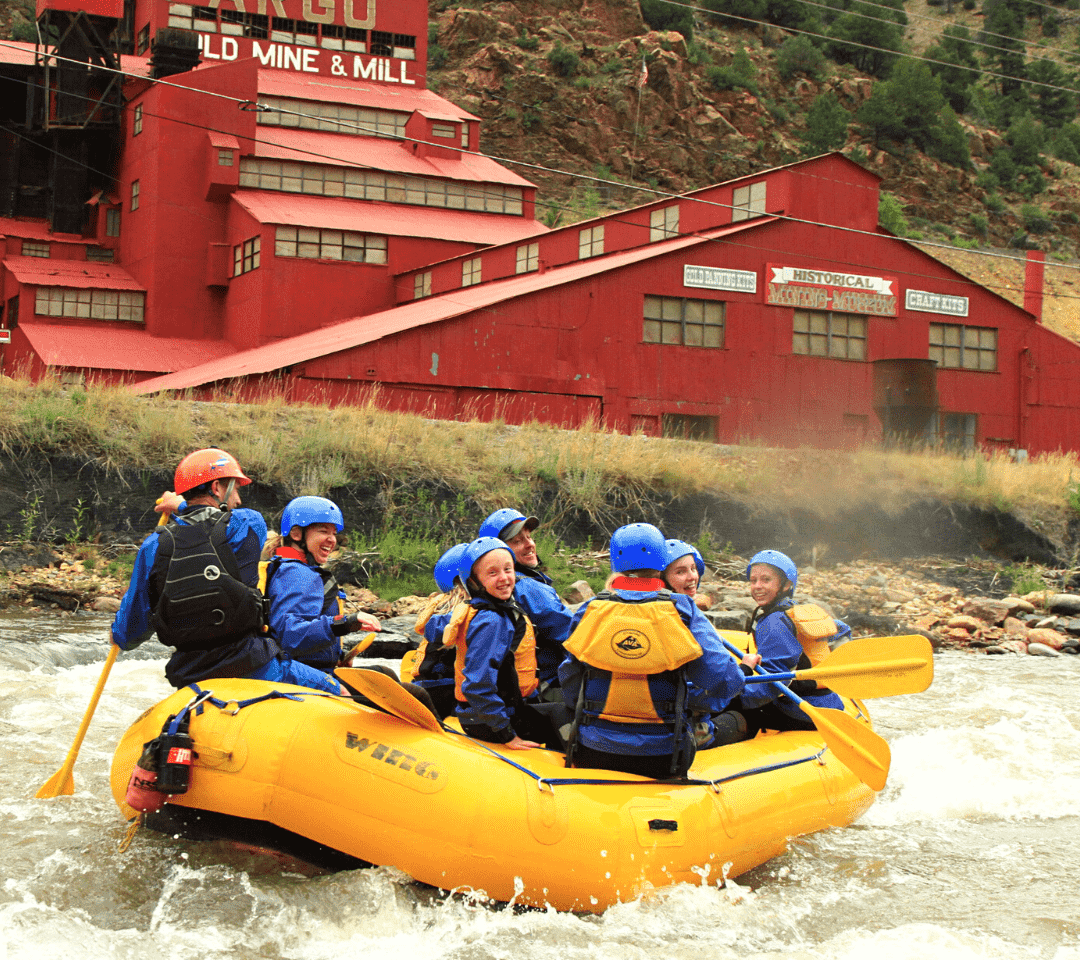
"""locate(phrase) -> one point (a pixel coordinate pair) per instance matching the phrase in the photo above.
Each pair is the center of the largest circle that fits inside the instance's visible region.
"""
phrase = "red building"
(298, 210)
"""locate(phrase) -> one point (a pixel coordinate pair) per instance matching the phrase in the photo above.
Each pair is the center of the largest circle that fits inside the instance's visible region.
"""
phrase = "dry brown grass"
(310, 449)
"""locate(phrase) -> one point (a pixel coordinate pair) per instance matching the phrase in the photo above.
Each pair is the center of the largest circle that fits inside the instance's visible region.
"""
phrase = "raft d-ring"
(715, 787)
(541, 783)
(232, 703)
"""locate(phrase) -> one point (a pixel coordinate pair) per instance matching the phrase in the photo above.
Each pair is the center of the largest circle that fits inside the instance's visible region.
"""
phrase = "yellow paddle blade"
(856, 746)
(360, 647)
(389, 695)
(876, 667)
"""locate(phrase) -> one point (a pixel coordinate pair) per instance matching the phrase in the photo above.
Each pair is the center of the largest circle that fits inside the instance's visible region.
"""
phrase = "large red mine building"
(263, 194)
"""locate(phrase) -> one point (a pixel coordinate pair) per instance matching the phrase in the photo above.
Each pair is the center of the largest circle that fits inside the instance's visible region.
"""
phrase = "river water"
(970, 851)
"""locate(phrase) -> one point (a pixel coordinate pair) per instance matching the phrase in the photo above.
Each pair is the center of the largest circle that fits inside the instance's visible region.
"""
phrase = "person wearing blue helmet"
(495, 679)
(535, 593)
(685, 567)
(636, 655)
(306, 604)
(788, 636)
(432, 666)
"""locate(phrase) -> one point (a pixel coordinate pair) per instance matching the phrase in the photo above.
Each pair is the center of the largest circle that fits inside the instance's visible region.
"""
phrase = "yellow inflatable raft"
(459, 814)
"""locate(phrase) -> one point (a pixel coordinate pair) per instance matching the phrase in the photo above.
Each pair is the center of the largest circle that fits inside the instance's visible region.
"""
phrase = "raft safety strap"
(131, 831)
(552, 782)
(207, 696)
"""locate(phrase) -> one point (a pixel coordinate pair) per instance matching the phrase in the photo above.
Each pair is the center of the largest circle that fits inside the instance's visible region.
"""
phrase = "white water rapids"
(971, 850)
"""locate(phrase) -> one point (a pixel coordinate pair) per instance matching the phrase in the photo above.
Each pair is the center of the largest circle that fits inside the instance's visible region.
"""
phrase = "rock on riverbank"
(965, 606)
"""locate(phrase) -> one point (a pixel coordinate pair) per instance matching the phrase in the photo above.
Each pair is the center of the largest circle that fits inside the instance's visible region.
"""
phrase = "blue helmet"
(475, 550)
(782, 562)
(677, 549)
(507, 523)
(446, 567)
(637, 546)
(304, 511)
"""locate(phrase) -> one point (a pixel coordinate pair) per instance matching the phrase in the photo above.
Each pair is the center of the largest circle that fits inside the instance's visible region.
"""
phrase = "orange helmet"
(204, 466)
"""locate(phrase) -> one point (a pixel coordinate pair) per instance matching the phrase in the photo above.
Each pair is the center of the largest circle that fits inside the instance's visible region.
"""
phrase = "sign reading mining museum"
(926, 302)
(717, 278)
(831, 290)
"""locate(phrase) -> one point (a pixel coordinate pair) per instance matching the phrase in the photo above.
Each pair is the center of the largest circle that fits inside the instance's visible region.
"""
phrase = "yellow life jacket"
(414, 659)
(631, 641)
(813, 627)
(455, 634)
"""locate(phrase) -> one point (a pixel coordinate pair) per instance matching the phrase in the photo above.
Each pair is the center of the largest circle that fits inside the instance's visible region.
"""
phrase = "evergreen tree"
(1004, 53)
(959, 66)
(799, 55)
(865, 34)
(1050, 103)
(660, 15)
(906, 107)
(826, 125)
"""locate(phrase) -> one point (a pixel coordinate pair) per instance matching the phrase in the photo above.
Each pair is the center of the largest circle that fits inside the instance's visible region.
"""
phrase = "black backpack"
(203, 603)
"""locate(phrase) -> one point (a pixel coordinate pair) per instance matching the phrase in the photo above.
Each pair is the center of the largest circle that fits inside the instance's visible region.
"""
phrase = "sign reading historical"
(831, 290)
(927, 302)
(718, 278)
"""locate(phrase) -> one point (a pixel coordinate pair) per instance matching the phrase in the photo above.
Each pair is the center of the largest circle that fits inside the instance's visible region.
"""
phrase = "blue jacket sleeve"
(780, 651)
(487, 640)
(297, 618)
(715, 675)
(549, 615)
(131, 625)
(247, 534)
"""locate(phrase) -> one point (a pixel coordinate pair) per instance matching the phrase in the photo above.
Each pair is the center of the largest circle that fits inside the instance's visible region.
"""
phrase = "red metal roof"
(384, 96)
(22, 55)
(378, 153)
(113, 346)
(38, 230)
(46, 272)
(393, 219)
(418, 313)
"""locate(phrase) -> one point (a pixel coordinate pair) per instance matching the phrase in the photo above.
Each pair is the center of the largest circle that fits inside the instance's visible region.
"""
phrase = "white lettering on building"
(829, 278)
(926, 302)
(716, 278)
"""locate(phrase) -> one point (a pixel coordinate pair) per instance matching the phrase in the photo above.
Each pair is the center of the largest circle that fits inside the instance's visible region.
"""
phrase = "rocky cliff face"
(556, 84)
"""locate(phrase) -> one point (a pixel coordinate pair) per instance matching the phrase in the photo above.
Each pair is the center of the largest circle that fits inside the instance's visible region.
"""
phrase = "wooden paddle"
(856, 746)
(389, 695)
(870, 667)
(62, 783)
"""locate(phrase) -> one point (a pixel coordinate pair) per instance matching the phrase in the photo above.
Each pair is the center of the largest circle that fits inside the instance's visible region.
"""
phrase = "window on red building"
(90, 304)
(528, 258)
(470, 271)
(663, 223)
(134, 195)
(679, 321)
(404, 46)
(382, 43)
(34, 248)
(422, 285)
(681, 426)
(962, 347)
(225, 158)
(246, 256)
(136, 121)
(590, 242)
(142, 42)
(748, 201)
(824, 333)
(100, 255)
(112, 222)
(317, 244)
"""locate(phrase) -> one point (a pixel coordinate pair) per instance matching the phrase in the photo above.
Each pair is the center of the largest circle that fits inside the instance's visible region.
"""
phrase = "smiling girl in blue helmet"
(788, 637)
(306, 605)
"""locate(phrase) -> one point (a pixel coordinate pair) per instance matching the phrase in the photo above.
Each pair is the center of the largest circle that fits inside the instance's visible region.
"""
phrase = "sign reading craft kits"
(831, 290)
(717, 278)
(927, 302)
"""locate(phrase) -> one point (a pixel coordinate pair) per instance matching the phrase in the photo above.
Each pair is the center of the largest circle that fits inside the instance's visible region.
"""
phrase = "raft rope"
(552, 782)
(205, 696)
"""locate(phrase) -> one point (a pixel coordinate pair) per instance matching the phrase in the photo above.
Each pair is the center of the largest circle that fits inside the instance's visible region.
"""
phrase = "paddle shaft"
(853, 680)
(62, 783)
